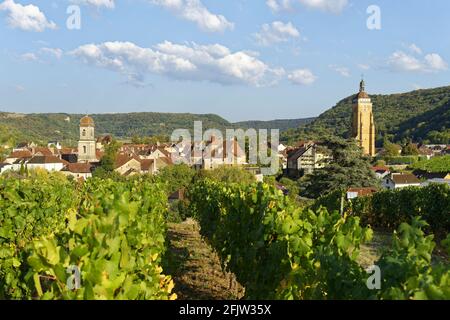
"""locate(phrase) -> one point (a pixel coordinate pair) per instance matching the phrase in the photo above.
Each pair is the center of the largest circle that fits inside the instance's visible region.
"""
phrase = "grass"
(371, 252)
(196, 268)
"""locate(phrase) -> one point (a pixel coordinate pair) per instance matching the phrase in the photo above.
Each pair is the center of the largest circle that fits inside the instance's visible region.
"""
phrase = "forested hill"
(282, 125)
(423, 115)
(42, 128)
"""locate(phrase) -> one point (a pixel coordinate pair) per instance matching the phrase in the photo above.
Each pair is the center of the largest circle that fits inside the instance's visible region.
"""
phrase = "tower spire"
(362, 85)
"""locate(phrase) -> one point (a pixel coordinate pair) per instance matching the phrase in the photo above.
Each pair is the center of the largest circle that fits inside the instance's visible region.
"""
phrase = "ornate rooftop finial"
(362, 85)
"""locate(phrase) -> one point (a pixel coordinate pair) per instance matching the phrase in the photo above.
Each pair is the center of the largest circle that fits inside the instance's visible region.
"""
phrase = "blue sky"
(241, 59)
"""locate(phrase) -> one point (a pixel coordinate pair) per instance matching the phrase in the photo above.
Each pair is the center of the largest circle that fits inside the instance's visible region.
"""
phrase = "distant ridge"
(43, 127)
(282, 124)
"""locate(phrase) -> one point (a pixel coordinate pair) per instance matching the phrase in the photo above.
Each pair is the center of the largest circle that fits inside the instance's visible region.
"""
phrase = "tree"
(349, 168)
(410, 149)
(391, 149)
(228, 174)
(176, 177)
(109, 158)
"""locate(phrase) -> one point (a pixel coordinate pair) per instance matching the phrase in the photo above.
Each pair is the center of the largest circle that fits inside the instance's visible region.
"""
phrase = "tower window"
(84, 132)
(84, 149)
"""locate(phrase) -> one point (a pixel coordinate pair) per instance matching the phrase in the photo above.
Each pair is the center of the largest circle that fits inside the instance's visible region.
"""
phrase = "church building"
(86, 144)
(363, 126)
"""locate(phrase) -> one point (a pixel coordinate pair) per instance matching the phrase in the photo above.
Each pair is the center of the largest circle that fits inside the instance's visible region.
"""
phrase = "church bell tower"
(363, 126)
(86, 144)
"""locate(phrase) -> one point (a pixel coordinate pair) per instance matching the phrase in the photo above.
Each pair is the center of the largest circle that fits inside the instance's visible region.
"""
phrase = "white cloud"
(400, 61)
(195, 11)
(279, 5)
(96, 3)
(276, 32)
(213, 63)
(302, 77)
(363, 66)
(43, 54)
(19, 88)
(29, 57)
(333, 6)
(55, 52)
(415, 49)
(435, 62)
(343, 71)
(27, 18)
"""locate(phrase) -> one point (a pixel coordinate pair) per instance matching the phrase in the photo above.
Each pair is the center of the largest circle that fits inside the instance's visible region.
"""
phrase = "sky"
(241, 59)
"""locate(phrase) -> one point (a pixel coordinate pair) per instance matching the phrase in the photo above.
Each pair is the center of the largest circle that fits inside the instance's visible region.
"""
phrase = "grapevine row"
(279, 251)
(113, 233)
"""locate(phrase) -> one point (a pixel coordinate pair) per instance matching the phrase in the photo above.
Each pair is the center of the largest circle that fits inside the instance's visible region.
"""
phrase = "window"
(84, 132)
(84, 149)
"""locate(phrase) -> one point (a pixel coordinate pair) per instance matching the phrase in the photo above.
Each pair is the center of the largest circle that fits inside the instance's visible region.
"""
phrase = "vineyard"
(279, 251)
(112, 232)
(387, 209)
(106, 239)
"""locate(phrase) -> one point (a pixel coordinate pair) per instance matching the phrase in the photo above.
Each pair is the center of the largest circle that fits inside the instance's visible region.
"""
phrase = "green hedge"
(406, 160)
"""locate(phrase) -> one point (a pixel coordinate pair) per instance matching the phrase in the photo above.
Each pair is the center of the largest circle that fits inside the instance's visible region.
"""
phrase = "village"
(296, 161)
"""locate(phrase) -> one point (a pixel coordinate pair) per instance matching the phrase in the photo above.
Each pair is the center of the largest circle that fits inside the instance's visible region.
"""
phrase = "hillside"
(423, 115)
(282, 125)
(64, 127)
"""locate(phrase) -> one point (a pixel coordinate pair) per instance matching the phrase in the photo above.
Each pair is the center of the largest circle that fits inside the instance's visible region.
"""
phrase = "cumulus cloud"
(195, 11)
(403, 62)
(96, 3)
(435, 62)
(302, 77)
(276, 32)
(415, 49)
(43, 55)
(29, 56)
(213, 63)
(54, 52)
(27, 18)
(343, 71)
(279, 5)
(333, 6)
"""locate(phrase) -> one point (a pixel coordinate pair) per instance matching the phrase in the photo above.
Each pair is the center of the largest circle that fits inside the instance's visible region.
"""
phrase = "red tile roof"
(123, 158)
(380, 168)
(146, 164)
(363, 191)
(78, 167)
(20, 154)
(43, 151)
(45, 160)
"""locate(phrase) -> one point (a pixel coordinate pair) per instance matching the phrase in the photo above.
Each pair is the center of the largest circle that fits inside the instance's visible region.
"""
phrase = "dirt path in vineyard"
(196, 268)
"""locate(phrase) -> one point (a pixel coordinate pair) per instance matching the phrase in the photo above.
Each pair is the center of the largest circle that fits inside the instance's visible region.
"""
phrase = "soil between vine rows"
(195, 266)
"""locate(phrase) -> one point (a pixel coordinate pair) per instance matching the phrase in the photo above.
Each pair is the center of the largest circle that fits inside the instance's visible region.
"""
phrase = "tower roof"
(362, 91)
(87, 121)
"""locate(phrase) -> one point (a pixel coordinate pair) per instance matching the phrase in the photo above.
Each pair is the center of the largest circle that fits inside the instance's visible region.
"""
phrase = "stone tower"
(86, 144)
(363, 126)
